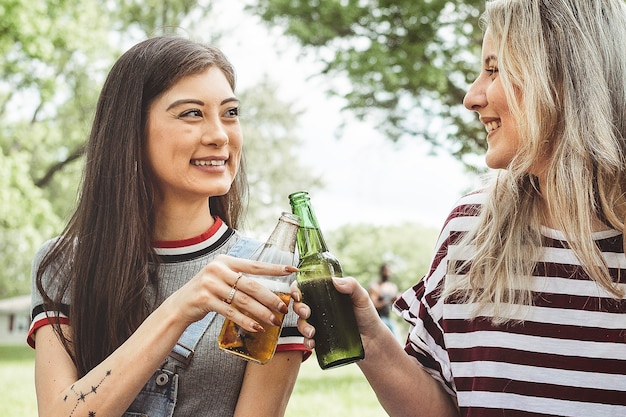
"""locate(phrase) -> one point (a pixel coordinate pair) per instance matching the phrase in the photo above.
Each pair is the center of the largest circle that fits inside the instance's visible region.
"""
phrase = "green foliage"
(361, 249)
(56, 54)
(271, 151)
(52, 70)
(46, 77)
(408, 63)
(24, 218)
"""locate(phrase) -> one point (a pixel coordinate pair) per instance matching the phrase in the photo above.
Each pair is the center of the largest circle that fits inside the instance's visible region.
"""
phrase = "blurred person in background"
(383, 293)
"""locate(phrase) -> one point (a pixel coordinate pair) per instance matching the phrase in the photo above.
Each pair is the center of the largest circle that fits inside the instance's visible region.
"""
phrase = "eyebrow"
(491, 58)
(198, 102)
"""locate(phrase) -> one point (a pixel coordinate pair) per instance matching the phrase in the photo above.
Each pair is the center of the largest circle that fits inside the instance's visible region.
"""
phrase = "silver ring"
(231, 295)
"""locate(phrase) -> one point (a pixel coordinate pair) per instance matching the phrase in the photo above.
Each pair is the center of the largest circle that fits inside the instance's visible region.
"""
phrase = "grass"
(17, 398)
(337, 392)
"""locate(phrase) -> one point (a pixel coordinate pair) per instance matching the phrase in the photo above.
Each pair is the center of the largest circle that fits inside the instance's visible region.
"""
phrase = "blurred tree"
(402, 64)
(271, 152)
(56, 54)
(46, 77)
(362, 248)
(407, 248)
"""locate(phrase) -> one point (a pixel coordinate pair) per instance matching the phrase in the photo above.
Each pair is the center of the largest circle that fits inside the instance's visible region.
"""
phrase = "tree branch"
(47, 178)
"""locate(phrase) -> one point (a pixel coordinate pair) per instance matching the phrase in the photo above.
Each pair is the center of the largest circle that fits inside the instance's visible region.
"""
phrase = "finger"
(252, 267)
(350, 286)
(237, 278)
(248, 295)
(231, 295)
(302, 310)
(251, 291)
(241, 319)
(242, 301)
(233, 289)
(308, 332)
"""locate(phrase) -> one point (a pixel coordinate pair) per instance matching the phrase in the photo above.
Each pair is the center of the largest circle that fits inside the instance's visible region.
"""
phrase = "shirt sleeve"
(50, 281)
(421, 305)
(290, 337)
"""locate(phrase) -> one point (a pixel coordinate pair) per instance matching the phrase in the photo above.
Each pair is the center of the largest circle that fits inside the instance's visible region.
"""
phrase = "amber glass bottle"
(279, 249)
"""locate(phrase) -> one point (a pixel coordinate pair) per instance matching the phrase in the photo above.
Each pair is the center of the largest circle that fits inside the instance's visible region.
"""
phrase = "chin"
(219, 190)
(495, 160)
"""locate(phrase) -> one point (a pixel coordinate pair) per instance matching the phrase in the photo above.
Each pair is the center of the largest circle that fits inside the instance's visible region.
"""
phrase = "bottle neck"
(310, 239)
(284, 235)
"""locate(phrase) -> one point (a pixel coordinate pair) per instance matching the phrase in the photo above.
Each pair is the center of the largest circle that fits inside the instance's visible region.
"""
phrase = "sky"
(368, 179)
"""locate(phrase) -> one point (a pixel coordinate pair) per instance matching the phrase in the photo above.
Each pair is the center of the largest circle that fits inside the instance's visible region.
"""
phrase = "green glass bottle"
(337, 338)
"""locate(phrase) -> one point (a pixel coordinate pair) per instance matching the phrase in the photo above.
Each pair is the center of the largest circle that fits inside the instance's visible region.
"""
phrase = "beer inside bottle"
(337, 338)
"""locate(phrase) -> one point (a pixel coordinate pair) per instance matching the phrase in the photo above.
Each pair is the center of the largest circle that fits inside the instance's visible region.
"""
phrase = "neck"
(178, 222)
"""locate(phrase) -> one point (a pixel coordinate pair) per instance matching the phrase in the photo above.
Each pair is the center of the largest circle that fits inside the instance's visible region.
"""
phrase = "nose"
(476, 97)
(214, 133)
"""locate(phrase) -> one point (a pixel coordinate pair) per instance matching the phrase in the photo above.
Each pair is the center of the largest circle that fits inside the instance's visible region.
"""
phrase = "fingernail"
(296, 296)
(290, 269)
(309, 333)
(282, 307)
(339, 280)
(258, 327)
(275, 321)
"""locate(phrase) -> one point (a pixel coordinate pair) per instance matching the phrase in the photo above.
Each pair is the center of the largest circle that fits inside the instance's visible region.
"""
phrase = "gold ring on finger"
(231, 295)
(237, 279)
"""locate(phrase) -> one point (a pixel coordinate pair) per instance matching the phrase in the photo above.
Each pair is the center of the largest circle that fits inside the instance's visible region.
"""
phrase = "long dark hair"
(106, 251)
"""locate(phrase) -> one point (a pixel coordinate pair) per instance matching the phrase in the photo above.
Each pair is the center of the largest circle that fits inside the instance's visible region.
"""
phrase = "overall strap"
(184, 349)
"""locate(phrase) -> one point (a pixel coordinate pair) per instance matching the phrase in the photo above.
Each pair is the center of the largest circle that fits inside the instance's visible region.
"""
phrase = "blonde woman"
(523, 310)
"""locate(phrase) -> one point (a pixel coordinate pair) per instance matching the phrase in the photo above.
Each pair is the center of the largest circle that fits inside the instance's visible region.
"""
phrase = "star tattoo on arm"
(81, 396)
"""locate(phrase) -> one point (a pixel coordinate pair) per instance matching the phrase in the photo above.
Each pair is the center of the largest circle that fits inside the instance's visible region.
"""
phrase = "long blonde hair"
(563, 68)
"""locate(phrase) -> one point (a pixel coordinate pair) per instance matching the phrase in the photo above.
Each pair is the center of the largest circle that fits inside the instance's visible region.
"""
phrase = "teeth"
(491, 126)
(213, 162)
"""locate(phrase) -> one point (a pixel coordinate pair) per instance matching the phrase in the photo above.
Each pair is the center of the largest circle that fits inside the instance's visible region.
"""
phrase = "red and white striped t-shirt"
(567, 358)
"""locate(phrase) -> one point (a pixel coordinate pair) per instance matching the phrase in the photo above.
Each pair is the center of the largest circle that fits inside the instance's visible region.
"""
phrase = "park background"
(357, 101)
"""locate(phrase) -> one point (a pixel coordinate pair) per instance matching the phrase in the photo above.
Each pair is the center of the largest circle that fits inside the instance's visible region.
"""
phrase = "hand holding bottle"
(367, 318)
(279, 249)
(337, 338)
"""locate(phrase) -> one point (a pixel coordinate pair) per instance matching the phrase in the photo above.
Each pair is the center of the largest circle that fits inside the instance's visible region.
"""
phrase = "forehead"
(212, 76)
(211, 82)
(489, 55)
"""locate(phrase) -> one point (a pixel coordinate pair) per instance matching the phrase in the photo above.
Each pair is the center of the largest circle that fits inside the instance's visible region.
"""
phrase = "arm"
(402, 386)
(110, 387)
(266, 388)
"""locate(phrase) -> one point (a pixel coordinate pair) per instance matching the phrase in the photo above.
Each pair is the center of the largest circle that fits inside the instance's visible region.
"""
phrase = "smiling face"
(486, 96)
(194, 139)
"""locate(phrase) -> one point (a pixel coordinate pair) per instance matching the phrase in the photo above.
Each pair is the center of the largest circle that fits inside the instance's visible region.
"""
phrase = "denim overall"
(158, 397)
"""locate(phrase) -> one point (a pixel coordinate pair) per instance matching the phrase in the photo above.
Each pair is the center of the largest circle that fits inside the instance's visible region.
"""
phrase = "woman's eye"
(491, 72)
(234, 112)
(191, 113)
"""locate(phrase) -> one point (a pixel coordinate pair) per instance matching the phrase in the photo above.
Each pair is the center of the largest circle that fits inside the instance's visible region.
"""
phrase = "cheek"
(154, 150)
(235, 142)
(235, 161)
